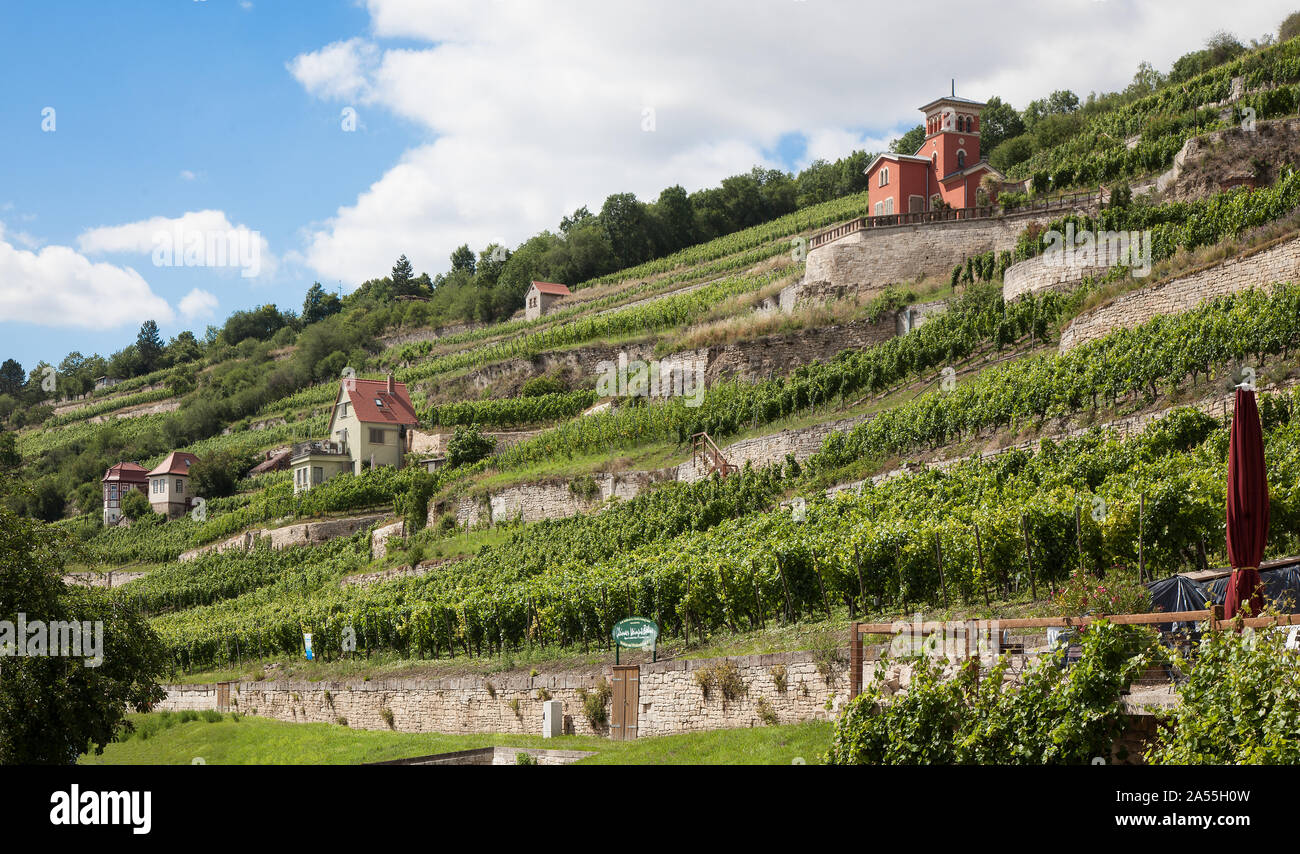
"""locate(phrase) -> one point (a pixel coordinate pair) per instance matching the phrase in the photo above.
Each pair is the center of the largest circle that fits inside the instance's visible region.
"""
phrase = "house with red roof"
(541, 296)
(118, 481)
(370, 426)
(169, 484)
(945, 171)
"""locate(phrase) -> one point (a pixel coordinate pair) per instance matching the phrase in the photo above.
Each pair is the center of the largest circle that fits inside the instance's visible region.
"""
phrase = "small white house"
(541, 296)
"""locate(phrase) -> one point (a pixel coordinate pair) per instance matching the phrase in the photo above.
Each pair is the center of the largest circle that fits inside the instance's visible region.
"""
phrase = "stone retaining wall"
(1035, 275)
(867, 261)
(303, 534)
(112, 578)
(671, 698)
(1277, 262)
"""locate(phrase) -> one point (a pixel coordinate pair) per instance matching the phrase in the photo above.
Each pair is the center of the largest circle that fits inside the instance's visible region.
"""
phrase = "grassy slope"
(256, 741)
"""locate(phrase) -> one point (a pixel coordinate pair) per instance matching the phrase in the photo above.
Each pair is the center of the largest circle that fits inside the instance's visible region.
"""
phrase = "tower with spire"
(946, 170)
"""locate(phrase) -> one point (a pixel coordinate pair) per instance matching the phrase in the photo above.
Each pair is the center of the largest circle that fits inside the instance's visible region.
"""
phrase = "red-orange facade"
(946, 168)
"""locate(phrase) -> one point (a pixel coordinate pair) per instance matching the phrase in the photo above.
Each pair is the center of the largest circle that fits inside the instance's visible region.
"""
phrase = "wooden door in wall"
(626, 702)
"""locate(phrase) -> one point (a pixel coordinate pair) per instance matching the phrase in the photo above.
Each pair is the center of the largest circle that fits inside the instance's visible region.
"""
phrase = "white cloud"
(187, 175)
(58, 286)
(215, 241)
(198, 305)
(534, 109)
(338, 70)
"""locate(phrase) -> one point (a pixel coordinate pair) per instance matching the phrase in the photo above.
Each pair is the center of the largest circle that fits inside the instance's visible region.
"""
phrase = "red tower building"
(946, 168)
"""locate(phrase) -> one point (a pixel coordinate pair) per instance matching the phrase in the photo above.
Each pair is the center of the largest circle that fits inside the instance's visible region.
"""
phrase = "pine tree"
(402, 275)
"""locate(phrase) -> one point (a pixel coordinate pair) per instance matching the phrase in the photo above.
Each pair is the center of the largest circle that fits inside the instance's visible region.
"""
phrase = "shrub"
(215, 475)
(468, 445)
(1239, 705)
(538, 386)
(1057, 715)
(522, 758)
(1085, 594)
(779, 677)
(766, 713)
(594, 703)
(135, 505)
(723, 678)
(387, 714)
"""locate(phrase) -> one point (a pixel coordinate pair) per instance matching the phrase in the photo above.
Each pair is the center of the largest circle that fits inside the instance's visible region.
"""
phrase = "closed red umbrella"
(1247, 507)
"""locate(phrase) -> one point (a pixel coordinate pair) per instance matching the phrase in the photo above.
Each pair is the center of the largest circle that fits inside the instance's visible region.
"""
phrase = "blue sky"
(178, 106)
(477, 122)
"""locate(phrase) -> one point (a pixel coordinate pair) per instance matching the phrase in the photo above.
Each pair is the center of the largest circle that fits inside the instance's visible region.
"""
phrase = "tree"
(11, 378)
(675, 218)
(135, 505)
(1146, 80)
(401, 276)
(1289, 28)
(318, 304)
(999, 122)
(490, 263)
(463, 259)
(580, 217)
(468, 445)
(624, 220)
(149, 344)
(259, 324)
(1060, 102)
(45, 500)
(54, 707)
(217, 474)
(909, 142)
(184, 348)
(1012, 151)
(9, 458)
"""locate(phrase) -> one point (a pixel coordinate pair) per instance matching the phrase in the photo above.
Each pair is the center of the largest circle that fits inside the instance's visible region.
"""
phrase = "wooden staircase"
(706, 456)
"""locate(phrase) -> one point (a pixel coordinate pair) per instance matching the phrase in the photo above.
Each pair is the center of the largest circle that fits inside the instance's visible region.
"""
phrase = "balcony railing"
(318, 447)
(947, 215)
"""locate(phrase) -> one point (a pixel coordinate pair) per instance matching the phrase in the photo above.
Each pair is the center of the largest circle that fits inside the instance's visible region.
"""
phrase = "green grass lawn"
(163, 740)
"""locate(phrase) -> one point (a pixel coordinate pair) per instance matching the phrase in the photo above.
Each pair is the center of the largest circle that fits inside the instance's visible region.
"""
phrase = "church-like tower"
(945, 171)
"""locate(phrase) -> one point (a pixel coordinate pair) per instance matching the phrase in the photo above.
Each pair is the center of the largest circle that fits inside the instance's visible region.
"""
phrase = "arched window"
(961, 159)
(884, 176)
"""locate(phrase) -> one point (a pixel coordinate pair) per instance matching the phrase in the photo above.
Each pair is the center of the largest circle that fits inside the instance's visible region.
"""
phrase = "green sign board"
(636, 633)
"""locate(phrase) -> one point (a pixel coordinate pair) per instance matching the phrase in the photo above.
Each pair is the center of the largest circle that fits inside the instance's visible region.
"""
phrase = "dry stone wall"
(1278, 262)
(303, 534)
(796, 686)
(1036, 275)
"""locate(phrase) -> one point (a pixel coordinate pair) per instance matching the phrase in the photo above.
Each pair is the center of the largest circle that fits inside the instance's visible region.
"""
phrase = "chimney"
(392, 387)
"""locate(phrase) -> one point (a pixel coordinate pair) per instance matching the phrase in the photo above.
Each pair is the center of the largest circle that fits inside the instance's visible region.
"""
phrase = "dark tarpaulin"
(1281, 588)
(1247, 506)
(1177, 593)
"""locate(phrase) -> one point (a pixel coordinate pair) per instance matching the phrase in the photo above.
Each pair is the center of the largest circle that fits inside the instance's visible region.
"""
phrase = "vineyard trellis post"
(1142, 557)
(979, 552)
(862, 590)
(821, 582)
(1078, 530)
(938, 553)
(1029, 558)
(785, 583)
